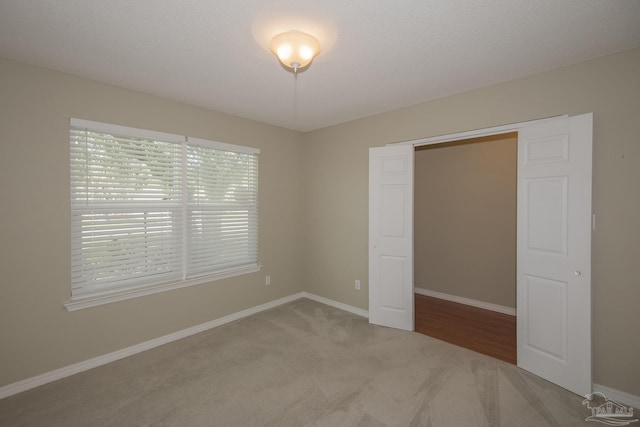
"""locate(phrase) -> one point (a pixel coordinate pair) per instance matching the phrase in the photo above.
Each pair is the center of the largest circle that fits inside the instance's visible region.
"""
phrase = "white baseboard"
(467, 301)
(66, 371)
(336, 304)
(47, 377)
(621, 397)
(33, 382)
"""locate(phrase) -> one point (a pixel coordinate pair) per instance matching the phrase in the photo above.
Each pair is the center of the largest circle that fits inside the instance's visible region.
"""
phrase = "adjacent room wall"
(465, 219)
(37, 333)
(337, 200)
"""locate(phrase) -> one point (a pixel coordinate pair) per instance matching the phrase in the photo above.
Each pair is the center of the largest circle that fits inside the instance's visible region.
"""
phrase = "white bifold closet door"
(554, 245)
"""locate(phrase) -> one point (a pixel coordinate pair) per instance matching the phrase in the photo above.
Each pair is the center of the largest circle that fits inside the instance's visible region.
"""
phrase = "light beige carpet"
(302, 364)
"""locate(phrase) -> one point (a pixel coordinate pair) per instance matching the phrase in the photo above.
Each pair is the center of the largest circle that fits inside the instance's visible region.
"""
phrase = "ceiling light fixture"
(295, 49)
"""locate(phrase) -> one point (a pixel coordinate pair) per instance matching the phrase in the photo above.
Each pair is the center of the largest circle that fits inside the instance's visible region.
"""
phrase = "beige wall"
(313, 207)
(37, 334)
(609, 87)
(465, 219)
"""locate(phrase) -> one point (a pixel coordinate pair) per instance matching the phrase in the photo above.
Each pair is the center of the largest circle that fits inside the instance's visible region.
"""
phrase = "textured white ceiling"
(377, 55)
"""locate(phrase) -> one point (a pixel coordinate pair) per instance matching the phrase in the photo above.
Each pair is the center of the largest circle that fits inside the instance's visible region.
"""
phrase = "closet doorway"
(465, 229)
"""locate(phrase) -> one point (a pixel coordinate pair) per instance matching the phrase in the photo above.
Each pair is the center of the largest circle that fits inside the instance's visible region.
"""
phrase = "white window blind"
(222, 209)
(149, 208)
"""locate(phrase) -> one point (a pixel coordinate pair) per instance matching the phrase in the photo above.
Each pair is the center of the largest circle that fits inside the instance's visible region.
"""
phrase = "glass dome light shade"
(295, 49)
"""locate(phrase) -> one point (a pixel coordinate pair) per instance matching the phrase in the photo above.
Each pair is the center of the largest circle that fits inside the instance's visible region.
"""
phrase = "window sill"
(95, 299)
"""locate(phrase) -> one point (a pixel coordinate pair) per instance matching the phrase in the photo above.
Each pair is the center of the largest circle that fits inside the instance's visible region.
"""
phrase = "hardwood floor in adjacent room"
(484, 331)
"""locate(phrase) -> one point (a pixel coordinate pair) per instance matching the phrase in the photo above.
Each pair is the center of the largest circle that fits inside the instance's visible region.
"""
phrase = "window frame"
(84, 297)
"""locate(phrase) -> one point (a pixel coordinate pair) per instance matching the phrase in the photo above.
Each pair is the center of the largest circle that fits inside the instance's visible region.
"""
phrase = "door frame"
(476, 133)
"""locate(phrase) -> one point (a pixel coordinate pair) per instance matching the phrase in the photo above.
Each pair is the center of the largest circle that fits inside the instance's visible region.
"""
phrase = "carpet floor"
(301, 364)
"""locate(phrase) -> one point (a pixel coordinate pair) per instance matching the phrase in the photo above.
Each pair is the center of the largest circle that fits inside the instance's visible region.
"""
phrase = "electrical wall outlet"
(357, 284)
(267, 280)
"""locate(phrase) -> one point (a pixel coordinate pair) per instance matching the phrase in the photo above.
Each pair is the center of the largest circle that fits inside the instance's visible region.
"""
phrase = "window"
(152, 211)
